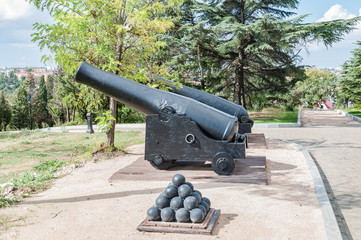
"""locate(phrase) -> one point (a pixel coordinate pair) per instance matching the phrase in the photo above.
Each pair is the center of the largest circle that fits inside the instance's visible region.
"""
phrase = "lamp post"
(89, 117)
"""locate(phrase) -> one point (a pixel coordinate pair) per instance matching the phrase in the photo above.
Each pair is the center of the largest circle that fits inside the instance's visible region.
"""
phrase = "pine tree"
(350, 84)
(253, 45)
(20, 110)
(29, 84)
(40, 110)
(5, 112)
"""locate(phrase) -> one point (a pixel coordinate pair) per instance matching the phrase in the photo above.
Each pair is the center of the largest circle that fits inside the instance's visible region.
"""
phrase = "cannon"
(245, 123)
(177, 127)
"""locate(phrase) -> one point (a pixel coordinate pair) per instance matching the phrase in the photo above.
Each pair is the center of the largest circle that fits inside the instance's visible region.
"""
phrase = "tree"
(40, 110)
(71, 96)
(29, 84)
(317, 86)
(255, 44)
(350, 84)
(5, 112)
(117, 35)
(20, 110)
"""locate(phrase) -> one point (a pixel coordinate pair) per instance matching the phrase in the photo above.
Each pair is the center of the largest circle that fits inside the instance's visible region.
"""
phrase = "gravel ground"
(85, 205)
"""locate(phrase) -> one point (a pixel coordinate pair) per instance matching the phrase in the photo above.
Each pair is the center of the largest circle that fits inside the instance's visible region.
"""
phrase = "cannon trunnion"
(177, 127)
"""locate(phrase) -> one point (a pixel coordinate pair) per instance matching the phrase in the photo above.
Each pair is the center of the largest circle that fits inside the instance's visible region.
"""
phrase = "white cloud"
(318, 54)
(14, 9)
(336, 12)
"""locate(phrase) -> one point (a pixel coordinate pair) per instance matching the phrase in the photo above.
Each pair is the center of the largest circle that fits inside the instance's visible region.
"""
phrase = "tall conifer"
(252, 45)
(350, 84)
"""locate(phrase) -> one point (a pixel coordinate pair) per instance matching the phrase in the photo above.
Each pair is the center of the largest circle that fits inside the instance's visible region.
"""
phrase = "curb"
(299, 117)
(350, 116)
(83, 128)
(331, 226)
(276, 125)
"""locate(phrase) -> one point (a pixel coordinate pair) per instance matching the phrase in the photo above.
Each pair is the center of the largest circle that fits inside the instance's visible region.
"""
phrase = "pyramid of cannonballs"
(179, 202)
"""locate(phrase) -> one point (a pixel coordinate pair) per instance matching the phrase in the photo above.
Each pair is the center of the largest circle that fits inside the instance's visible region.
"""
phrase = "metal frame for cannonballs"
(206, 227)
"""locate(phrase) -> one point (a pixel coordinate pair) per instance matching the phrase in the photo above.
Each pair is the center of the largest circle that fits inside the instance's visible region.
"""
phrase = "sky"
(17, 18)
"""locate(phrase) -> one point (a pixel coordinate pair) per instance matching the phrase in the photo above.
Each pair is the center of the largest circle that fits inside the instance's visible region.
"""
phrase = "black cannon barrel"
(211, 100)
(217, 124)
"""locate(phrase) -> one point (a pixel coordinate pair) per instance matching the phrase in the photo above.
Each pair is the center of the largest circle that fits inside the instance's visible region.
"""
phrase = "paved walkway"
(337, 150)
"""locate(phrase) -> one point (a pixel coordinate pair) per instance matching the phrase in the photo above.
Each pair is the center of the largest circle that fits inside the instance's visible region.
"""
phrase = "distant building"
(37, 72)
(336, 71)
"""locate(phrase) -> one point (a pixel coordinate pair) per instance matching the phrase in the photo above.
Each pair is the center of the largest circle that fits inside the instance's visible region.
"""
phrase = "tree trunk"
(200, 68)
(113, 111)
(74, 114)
(67, 115)
(239, 94)
(249, 101)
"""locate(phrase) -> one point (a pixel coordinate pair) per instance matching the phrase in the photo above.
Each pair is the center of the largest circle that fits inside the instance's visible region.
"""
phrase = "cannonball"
(162, 202)
(182, 215)
(184, 191)
(190, 184)
(167, 214)
(178, 180)
(203, 208)
(196, 215)
(153, 213)
(207, 201)
(205, 204)
(171, 191)
(176, 203)
(190, 203)
(197, 196)
(196, 191)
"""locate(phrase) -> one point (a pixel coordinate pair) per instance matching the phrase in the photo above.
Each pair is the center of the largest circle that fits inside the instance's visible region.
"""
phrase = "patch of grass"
(273, 115)
(5, 202)
(29, 160)
(32, 181)
(20, 151)
(353, 111)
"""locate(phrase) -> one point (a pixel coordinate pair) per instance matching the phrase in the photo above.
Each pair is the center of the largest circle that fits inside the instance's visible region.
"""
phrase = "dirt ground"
(85, 205)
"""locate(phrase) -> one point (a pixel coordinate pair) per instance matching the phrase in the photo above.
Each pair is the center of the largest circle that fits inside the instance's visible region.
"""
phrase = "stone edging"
(350, 116)
(331, 226)
(299, 117)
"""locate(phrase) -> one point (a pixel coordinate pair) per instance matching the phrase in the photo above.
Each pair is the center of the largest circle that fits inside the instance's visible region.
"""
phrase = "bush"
(357, 106)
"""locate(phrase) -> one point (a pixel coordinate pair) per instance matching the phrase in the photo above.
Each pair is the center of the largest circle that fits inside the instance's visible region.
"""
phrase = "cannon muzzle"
(215, 123)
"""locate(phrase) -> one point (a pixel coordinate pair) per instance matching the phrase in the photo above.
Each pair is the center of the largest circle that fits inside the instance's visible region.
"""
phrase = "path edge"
(331, 226)
(350, 116)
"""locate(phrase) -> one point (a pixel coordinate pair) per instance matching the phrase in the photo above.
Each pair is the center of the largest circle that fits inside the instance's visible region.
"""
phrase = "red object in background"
(328, 105)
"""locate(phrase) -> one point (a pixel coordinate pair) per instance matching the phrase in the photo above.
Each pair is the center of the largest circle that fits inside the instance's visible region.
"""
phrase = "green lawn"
(274, 115)
(353, 111)
(19, 152)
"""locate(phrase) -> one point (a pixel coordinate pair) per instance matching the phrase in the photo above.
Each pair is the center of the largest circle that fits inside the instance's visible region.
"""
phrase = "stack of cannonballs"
(179, 202)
